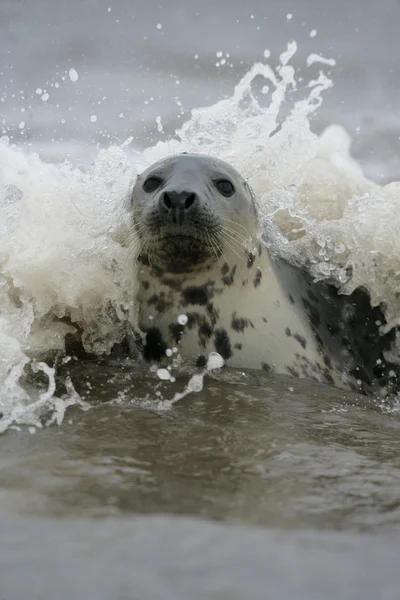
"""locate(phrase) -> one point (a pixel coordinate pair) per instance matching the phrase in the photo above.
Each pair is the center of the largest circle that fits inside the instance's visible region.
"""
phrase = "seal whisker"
(230, 222)
(138, 233)
(135, 245)
(223, 218)
(232, 249)
(155, 245)
(214, 247)
(234, 243)
(237, 242)
(151, 245)
(235, 235)
(219, 247)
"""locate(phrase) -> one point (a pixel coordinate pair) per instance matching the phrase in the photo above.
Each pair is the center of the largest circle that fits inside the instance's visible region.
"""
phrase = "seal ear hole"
(225, 187)
(151, 184)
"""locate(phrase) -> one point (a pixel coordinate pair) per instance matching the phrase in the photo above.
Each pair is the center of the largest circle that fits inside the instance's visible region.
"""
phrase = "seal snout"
(176, 206)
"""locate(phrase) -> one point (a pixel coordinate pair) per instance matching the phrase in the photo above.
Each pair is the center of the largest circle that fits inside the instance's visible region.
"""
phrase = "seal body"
(207, 283)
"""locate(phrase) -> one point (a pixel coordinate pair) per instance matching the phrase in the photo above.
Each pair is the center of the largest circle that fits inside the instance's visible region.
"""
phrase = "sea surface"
(249, 486)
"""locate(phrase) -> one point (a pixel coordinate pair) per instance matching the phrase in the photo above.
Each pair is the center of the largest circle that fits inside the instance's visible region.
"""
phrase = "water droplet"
(163, 374)
(73, 75)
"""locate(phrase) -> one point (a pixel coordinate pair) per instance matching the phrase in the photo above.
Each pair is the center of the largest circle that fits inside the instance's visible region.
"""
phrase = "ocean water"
(248, 483)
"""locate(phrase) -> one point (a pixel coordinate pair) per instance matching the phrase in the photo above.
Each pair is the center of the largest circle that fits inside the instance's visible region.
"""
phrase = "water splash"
(64, 264)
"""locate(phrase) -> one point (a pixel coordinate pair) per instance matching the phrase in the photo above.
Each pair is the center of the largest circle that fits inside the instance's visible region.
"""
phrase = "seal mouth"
(183, 238)
(196, 233)
(180, 253)
(179, 236)
(176, 242)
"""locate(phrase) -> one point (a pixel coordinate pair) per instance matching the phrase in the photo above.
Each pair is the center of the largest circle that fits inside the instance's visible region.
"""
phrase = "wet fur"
(256, 312)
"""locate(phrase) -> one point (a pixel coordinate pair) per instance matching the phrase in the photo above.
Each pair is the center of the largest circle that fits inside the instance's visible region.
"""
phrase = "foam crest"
(339, 224)
(60, 261)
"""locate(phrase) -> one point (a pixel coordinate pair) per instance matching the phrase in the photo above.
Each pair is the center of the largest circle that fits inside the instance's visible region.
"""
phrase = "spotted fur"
(256, 312)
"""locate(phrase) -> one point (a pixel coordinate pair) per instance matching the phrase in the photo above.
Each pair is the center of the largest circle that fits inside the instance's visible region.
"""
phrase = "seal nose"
(177, 204)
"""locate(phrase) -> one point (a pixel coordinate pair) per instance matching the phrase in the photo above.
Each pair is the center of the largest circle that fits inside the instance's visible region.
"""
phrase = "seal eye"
(151, 184)
(225, 187)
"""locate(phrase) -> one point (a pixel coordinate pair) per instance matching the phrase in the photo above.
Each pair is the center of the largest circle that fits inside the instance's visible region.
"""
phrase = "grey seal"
(207, 283)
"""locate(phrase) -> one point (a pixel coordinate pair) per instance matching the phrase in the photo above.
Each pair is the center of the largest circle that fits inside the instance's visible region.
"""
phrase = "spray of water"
(64, 264)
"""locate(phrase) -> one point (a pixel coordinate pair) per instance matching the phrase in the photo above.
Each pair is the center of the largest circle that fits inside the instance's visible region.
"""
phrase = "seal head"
(186, 208)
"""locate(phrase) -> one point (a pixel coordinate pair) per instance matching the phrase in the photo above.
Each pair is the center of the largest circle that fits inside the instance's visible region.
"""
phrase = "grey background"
(127, 66)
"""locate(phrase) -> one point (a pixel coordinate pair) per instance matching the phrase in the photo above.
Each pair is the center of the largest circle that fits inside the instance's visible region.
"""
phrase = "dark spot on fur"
(239, 324)
(265, 320)
(212, 312)
(144, 259)
(265, 366)
(205, 332)
(146, 285)
(293, 371)
(201, 361)
(319, 341)
(250, 259)
(302, 340)
(259, 249)
(156, 272)
(305, 371)
(225, 268)
(155, 347)
(257, 277)
(328, 376)
(222, 343)
(174, 284)
(291, 299)
(198, 320)
(176, 331)
(199, 294)
(193, 319)
(312, 313)
(245, 282)
(160, 303)
(288, 332)
(238, 346)
(230, 277)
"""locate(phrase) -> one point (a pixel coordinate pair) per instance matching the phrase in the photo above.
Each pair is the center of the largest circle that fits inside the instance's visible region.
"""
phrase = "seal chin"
(182, 253)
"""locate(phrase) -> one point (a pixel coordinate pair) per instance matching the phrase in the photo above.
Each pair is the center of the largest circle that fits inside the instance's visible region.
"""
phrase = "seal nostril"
(167, 201)
(190, 200)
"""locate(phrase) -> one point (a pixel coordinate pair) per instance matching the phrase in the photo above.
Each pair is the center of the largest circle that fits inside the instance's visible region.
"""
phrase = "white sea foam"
(62, 257)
